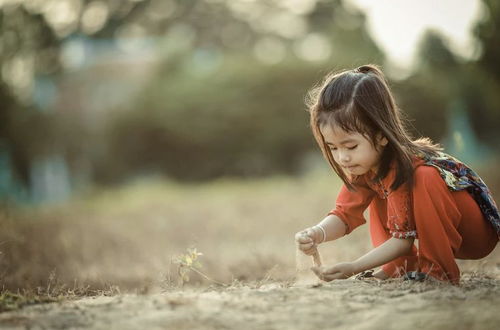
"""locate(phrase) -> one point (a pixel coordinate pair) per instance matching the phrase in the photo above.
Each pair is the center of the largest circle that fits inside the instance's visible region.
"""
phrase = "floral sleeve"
(399, 213)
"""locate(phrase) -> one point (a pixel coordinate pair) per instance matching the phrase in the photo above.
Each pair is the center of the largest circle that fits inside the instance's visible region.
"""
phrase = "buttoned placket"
(385, 192)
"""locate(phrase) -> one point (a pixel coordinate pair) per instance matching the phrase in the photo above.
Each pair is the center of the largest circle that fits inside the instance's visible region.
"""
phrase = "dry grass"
(128, 236)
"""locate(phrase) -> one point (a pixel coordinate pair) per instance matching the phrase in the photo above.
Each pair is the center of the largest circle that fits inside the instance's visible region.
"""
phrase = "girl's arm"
(308, 239)
(333, 226)
(387, 251)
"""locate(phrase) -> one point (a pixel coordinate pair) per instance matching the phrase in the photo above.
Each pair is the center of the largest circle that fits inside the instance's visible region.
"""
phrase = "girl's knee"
(479, 249)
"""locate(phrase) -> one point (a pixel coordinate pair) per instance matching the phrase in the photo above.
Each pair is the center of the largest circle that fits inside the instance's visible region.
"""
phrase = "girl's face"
(353, 151)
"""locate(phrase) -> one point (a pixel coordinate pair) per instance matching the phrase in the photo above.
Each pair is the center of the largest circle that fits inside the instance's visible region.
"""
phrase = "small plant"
(188, 262)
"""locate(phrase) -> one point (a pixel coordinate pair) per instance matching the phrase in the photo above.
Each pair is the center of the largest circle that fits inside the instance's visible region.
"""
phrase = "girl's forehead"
(333, 134)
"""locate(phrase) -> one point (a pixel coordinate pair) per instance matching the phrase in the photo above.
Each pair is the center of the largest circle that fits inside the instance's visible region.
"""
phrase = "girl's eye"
(352, 148)
(333, 148)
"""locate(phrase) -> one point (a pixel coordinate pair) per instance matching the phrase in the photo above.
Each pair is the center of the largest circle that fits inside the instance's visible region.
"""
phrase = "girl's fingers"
(316, 270)
(309, 232)
(308, 248)
(330, 270)
(303, 238)
(310, 252)
(331, 277)
(326, 274)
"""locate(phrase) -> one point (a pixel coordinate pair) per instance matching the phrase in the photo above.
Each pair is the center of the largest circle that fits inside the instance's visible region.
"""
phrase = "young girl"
(415, 192)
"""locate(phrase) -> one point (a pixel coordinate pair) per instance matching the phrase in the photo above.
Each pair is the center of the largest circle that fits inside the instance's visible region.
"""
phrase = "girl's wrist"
(319, 234)
(357, 267)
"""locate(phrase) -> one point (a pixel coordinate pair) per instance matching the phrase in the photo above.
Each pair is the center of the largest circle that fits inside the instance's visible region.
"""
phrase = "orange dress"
(446, 224)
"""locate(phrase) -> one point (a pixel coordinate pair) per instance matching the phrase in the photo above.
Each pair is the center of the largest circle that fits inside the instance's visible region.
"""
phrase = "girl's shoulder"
(455, 173)
(439, 157)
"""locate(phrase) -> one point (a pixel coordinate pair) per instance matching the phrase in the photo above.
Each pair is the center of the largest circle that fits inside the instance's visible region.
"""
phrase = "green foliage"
(441, 80)
(212, 109)
(426, 115)
(487, 33)
(211, 112)
(245, 119)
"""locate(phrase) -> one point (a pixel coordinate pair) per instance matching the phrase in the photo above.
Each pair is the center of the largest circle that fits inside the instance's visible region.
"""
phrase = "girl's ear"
(382, 140)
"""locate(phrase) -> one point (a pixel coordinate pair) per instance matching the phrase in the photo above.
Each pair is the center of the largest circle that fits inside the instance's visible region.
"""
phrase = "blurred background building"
(101, 92)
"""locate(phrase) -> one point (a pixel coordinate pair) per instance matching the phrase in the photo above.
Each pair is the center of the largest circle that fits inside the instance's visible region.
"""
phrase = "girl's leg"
(380, 233)
(437, 219)
(479, 237)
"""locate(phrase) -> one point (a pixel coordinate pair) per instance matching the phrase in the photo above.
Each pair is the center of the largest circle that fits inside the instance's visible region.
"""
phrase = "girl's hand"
(338, 272)
(307, 240)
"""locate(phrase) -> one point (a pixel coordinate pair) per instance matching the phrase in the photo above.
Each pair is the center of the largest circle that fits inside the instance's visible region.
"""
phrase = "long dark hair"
(360, 100)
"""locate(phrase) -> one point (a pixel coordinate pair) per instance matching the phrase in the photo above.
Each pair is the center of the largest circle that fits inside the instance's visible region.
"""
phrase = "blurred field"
(128, 237)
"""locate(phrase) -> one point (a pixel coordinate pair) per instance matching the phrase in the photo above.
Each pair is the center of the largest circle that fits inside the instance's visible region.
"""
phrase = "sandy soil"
(128, 238)
(348, 304)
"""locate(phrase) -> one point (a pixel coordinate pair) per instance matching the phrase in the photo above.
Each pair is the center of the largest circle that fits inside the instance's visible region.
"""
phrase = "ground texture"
(348, 304)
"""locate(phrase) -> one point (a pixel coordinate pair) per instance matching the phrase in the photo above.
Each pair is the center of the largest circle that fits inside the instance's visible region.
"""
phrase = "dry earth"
(348, 304)
(127, 238)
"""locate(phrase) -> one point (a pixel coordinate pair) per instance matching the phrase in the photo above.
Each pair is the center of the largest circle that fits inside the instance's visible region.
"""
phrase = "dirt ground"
(347, 304)
(129, 239)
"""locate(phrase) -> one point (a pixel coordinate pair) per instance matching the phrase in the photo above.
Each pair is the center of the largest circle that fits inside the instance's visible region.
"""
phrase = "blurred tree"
(448, 80)
(26, 44)
(425, 95)
(9, 140)
(479, 92)
(435, 55)
(486, 31)
(216, 110)
(227, 99)
(483, 82)
(31, 37)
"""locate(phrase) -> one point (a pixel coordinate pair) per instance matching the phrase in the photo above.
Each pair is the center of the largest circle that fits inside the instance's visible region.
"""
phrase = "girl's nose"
(344, 157)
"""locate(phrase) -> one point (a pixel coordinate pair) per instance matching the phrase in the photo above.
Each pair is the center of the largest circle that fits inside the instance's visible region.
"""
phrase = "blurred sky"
(397, 25)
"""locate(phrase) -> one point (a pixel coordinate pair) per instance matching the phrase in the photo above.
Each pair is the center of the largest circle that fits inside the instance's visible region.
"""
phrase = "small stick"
(316, 258)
